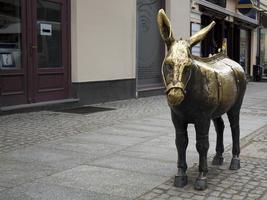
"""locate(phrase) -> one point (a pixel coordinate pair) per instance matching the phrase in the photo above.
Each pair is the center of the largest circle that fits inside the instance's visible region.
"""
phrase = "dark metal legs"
(233, 117)
(181, 142)
(202, 145)
(181, 145)
(219, 127)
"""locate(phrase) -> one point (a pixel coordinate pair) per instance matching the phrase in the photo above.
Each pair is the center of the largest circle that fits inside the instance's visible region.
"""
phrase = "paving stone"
(104, 180)
(138, 165)
(176, 198)
(164, 196)
(230, 191)
(55, 158)
(158, 191)
(256, 149)
(187, 195)
(225, 195)
(215, 194)
(164, 187)
(148, 152)
(93, 150)
(238, 197)
(112, 139)
(13, 172)
(48, 192)
(264, 197)
(150, 195)
(252, 195)
(39, 147)
(2, 189)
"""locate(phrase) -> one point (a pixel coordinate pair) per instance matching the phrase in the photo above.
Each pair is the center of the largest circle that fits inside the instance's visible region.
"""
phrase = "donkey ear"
(200, 35)
(165, 28)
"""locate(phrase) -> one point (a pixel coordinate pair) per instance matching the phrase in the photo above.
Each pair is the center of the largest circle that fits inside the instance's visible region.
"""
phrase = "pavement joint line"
(244, 141)
(130, 146)
(127, 170)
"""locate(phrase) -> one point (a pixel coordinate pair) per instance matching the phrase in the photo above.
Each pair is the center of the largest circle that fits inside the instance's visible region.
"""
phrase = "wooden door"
(13, 54)
(50, 50)
(34, 51)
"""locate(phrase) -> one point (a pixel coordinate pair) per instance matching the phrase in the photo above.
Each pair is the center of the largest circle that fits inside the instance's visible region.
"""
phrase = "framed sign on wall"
(7, 60)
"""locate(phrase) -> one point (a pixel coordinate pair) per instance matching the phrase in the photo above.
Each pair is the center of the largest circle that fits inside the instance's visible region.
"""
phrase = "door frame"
(37, 94)
(25, 90)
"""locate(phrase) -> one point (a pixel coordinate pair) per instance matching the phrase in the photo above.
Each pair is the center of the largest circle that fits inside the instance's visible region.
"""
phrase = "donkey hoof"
(235, 164)
(180, 181)
(217, 160)
(201, 184)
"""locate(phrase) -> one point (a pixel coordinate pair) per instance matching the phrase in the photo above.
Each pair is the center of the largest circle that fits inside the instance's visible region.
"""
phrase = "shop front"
(34, 51)
(263, 44)
(234, 27)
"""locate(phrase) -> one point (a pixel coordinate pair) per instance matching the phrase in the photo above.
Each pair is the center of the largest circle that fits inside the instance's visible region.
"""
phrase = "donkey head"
(177, 65)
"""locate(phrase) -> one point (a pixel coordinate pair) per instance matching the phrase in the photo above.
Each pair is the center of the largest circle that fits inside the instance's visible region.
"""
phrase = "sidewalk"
(126, 153)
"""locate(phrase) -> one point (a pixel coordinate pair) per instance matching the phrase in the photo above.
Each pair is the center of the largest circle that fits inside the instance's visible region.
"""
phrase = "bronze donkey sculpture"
(200, 90)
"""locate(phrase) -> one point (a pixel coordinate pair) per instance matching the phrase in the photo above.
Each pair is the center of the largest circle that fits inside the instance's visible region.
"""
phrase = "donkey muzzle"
(175, 93)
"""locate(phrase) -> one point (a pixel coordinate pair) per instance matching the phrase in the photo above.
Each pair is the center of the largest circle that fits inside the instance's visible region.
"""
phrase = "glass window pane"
(10, 34)
(196, 50)
(49, 34)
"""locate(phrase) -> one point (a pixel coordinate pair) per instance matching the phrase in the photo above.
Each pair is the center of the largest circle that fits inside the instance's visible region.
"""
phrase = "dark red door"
(13, 53)
(50, 77)
(36, 65)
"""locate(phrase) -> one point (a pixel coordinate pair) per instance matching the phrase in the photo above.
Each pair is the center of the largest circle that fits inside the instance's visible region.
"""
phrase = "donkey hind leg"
(233, 116)
(219, 127)
(202, 145)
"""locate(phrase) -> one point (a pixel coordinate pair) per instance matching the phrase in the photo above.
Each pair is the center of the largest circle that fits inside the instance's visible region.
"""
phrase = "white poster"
(46, 29)
(7, 59)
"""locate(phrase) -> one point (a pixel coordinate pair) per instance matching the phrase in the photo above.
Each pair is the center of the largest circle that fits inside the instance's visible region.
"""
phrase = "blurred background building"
(55, 51)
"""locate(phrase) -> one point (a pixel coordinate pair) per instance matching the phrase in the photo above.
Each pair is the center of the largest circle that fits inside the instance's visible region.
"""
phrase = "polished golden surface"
(217, 74)
(200, 90)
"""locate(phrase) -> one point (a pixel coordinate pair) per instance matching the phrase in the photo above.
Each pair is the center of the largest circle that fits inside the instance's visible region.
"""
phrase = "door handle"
(32, 48)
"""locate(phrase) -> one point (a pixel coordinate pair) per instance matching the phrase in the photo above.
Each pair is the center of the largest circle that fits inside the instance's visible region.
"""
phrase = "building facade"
(236, 23)
(89, 51)
(85, 50)
(263, 37)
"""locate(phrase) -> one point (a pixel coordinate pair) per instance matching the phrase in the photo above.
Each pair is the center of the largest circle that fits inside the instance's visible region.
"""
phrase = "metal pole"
(259, 38)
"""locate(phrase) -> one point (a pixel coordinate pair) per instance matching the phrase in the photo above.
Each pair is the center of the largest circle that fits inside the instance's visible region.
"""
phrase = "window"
(221, 3)
(10, 34)
(196, 50)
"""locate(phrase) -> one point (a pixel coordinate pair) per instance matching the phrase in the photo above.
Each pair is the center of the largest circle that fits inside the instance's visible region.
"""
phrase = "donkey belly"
(227, 91)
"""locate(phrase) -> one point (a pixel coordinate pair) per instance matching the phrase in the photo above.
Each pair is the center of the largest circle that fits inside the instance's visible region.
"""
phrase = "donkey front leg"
(181, 141)
(202, 145)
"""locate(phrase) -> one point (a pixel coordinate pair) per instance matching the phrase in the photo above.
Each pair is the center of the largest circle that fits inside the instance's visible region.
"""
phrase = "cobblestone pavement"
(127, 153)
(26, 129)
(249, 182)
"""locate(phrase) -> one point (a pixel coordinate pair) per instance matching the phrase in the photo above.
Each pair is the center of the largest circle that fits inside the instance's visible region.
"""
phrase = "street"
(125, 153)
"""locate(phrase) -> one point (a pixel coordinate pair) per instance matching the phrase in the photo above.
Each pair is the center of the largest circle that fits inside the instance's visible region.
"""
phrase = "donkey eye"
(168, 67)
